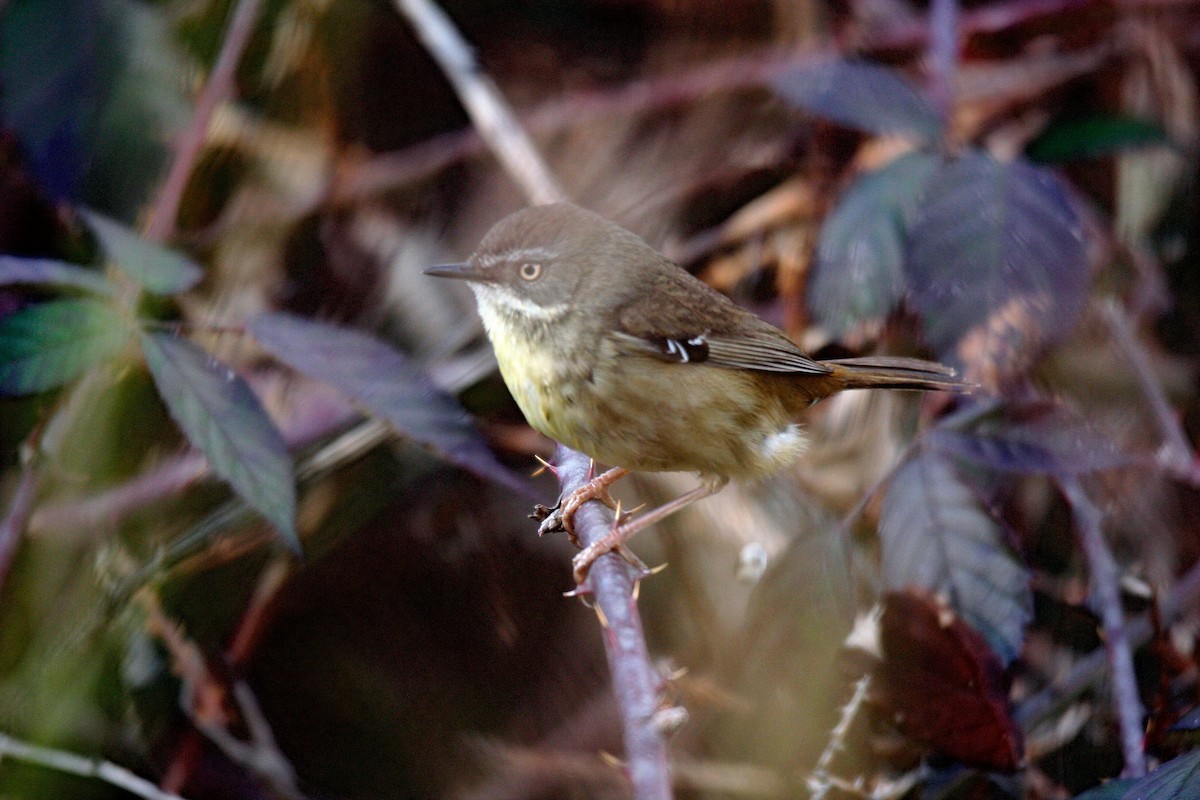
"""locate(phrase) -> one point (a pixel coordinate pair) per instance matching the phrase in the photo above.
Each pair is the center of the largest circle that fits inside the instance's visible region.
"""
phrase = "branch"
(220, 85)
(943, 55)
(489, 112)
(74, 764)
(1104, 573)
(637, 684)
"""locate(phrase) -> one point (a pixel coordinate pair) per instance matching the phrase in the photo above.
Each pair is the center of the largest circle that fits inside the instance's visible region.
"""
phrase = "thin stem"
(819, 782)
(1105, 576)
(220, 86)
(489, 112)
(74, 764)
(943, 55)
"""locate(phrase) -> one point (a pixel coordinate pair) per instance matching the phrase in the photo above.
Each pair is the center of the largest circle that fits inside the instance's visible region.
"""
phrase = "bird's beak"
(465, 271)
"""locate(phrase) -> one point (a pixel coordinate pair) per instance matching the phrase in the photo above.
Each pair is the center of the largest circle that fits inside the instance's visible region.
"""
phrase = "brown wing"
(683, 320)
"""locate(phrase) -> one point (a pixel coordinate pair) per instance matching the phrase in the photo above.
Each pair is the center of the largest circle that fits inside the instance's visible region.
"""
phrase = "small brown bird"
(617, 352)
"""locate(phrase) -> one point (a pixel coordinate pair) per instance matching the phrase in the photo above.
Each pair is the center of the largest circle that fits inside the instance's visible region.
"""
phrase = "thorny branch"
(636, 683)
(1105, 578)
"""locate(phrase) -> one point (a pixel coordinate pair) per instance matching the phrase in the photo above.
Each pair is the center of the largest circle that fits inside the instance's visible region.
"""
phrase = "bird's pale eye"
(531, 270)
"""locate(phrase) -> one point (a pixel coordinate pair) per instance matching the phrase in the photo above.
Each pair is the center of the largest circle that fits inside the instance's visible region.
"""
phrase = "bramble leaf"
(159, 269)
(48, 272)
(936, 535)
(996, 267)
(386, 384)
(859, 272)
(1178, 779)
(861, 95)
(222, 418)
(1094, 137)
(48, 344)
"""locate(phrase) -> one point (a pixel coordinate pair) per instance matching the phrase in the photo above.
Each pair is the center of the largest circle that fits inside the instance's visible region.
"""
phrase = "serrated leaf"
(1039, 437)
(943, 684)
(1112, 790)
(159, 269)
(859, 273)
(386, 384)
(222, 418)
(48, 272)
(46, 345)
(936, 535)
(1178, 779)
(861, 95)
(996, 267)
(1095, 137)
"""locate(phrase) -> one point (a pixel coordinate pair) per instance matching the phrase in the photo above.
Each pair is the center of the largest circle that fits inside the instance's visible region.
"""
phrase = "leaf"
(46, 345)
(1038, 437)
(386, 384)
(859, 273)
(936, 536)
(48, 272)
(861, 95)
(1112, 790)
(997, 266)
(159, 269)
(944, 685)
(1178, 779)
(1095, 137)
(221, 417)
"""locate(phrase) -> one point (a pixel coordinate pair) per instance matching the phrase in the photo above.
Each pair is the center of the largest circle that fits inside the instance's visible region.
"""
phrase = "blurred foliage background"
(1026, 212)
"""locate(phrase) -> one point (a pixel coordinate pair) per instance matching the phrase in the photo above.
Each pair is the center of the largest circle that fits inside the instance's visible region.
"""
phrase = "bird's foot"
(560, 518)
(622, 531)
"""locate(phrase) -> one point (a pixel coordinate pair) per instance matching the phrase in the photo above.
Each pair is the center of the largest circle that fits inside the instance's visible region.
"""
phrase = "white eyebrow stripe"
(538, 253)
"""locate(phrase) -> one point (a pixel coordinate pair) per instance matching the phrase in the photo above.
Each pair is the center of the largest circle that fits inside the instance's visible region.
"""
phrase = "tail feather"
(892, 372)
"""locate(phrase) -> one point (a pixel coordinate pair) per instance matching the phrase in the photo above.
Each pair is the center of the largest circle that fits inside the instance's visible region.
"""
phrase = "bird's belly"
(647, 415)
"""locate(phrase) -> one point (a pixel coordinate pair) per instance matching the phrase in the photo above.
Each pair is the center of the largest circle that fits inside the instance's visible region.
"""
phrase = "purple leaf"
(861, 95)
(1040, 437)
(386, 384)
(997, 266)
(859, 274)
(47, 272)
(222, 418)
(936, 535)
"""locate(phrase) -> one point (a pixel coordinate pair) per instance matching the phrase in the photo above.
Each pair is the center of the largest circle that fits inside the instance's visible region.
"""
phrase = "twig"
(74, 764)
(490, 114)
(1178, 455)
(820, 782)
(637, 684)
(219, 86)
(15, 520)
(943, 55)
(1105, 577)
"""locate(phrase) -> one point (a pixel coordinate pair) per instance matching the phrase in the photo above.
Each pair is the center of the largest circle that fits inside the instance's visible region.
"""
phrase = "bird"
(613, 350)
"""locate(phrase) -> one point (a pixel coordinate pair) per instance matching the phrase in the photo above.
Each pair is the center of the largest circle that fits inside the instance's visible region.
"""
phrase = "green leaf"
(49, 344)
(1095, 137)
(1178, 779)
(859, 274)
(387, 385)
(220, 416)
(937, 535)
(159, 269)
(48, 272)
(861, 95)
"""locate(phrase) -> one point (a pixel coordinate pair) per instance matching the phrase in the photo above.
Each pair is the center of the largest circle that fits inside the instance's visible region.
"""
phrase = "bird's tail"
(889, 372)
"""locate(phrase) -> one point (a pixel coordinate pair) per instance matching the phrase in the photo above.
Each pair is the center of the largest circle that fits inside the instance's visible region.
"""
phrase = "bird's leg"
(594, 489)
(616, 538)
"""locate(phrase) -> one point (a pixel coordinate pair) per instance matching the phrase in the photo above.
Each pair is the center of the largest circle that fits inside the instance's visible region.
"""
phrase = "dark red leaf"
(944, 685)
